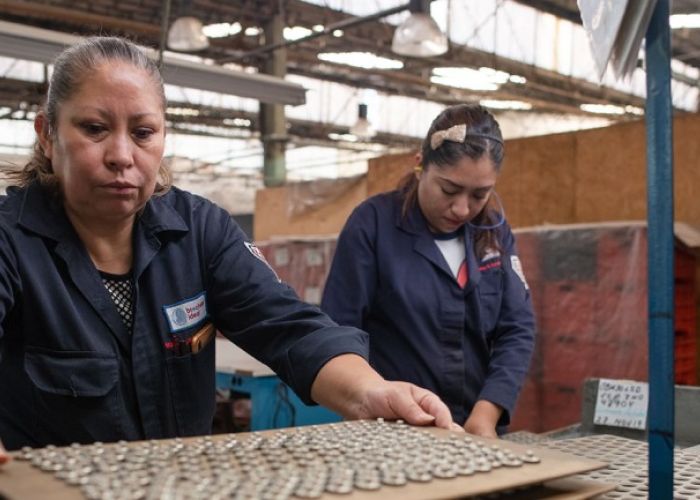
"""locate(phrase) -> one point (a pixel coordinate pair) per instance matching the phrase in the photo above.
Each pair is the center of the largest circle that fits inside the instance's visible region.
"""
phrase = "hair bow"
(456, 133)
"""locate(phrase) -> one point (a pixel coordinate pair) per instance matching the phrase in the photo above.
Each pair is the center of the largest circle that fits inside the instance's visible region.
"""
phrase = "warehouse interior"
(289, 114)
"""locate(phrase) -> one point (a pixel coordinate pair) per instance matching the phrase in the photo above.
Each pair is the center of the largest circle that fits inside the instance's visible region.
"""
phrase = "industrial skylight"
(295, 32)
(484, 79)
(611, 109)
(342, 137)
(504, 104)
(182, 111)
(237, 122)
(221, 30)
(365, 60)
(679, 21)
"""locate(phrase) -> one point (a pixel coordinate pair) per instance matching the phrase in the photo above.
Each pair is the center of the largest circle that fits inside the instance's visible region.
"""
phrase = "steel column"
(659, 122)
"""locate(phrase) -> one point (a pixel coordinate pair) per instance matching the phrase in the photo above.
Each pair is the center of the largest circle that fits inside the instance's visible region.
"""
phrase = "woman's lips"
(120, 187)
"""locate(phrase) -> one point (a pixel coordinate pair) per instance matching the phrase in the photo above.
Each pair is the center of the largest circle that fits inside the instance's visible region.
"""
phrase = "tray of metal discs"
(355, 459)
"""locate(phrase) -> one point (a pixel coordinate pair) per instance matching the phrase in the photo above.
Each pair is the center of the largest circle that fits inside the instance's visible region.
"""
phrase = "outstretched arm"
(348, 385)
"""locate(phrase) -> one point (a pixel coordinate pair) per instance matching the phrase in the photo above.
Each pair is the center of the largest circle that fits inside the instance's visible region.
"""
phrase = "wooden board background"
(272, 217)
(588, 176)
(384, 173)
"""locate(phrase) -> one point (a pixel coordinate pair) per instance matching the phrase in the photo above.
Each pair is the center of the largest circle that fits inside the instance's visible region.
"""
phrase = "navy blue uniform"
(70, 371)
(389, 278)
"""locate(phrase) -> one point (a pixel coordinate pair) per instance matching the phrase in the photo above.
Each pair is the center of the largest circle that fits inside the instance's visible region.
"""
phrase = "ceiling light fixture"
(419, 35)
(362, 129)
(187, 32)
(365, 60)
(187, 35)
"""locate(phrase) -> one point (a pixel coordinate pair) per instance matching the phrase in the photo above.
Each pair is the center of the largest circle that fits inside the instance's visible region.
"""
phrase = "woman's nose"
(460, 208)
(118, 155)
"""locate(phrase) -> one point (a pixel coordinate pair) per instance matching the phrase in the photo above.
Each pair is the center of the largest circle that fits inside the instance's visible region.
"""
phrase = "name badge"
(187, 313)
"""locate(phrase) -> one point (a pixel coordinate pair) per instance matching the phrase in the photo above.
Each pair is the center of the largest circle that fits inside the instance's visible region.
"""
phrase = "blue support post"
(659, 123)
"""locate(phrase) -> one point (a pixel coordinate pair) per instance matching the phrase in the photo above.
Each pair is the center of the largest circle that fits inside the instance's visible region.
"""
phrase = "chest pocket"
(490, 298)
(75, 393)
(192, 384)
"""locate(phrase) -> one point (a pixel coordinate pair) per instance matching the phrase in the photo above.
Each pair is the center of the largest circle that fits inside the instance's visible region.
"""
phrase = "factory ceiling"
(546, 91)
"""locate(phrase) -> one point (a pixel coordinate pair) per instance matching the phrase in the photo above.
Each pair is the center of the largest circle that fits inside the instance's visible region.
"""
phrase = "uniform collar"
(43, 213)
(415, 224)
(159, 216)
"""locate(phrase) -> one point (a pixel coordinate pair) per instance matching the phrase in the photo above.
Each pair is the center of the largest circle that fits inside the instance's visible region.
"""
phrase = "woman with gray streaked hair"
(109, 295)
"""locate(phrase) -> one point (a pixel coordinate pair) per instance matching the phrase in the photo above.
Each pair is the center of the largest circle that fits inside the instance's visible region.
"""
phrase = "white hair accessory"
(457, 133)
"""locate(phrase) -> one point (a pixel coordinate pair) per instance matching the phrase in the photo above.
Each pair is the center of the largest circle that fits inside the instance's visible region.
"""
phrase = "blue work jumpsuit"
(390, 279)
(69, 369)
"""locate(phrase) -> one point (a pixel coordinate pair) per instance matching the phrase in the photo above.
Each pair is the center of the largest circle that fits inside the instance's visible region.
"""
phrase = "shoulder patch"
(259, 255)
(518, 269)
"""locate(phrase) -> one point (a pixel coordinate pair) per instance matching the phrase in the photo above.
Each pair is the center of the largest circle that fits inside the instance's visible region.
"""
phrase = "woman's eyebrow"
(451, 183)
(460, 186)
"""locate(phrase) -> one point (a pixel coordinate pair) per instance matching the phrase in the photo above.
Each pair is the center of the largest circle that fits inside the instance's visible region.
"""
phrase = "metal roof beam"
(35, 44)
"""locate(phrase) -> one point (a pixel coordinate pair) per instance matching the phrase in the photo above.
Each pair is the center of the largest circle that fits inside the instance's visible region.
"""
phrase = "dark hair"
(483, 136)
(71, 68)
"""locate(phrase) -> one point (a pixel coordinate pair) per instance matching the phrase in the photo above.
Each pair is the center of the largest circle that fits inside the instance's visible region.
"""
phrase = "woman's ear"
(41, 127)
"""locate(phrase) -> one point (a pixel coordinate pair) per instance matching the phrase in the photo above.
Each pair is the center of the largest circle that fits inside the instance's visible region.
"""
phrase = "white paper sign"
(622, 403)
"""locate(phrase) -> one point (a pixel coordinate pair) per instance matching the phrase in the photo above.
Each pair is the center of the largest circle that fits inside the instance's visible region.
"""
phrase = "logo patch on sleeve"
(259, 255)
(187, 313)
(518, 269)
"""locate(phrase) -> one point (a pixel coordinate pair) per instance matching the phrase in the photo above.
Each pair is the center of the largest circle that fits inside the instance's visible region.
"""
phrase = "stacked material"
(359, 457)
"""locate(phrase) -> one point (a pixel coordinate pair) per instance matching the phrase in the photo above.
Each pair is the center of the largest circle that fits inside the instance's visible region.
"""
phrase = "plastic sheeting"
(589, 291)
(302, 263)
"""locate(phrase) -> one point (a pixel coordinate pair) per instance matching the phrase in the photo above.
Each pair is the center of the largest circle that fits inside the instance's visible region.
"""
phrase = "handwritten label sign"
(622, 403)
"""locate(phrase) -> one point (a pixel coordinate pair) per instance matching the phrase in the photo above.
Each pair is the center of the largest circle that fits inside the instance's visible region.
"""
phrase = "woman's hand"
(483, 419)
(4, 457)
(350, 387)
